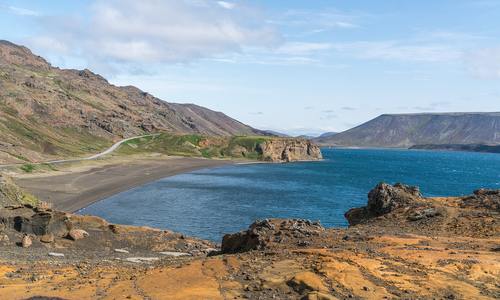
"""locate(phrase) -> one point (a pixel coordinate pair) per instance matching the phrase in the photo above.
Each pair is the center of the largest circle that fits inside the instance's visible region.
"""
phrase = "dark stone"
(383, 199)
(261, 234)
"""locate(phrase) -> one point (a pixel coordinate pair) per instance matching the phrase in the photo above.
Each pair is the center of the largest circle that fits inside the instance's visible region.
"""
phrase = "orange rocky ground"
(414, 258)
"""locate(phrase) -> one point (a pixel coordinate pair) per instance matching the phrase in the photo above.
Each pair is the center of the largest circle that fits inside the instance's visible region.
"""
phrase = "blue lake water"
(209, 203)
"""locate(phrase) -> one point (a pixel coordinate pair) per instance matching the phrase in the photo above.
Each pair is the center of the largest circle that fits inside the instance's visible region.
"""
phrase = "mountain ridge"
(407, 130)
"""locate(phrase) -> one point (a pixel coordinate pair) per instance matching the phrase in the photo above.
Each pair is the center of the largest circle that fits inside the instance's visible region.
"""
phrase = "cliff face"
(47, 112)
(288, 150)
(406, 130)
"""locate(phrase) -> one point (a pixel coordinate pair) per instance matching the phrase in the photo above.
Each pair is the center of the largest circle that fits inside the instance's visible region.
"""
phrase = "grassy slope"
(11, 194)
(243, 147)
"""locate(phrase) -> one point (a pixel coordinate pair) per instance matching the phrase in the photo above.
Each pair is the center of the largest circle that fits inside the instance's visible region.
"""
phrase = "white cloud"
(399, 50)
(308, 22)
(226, 5)
(302, 48)
(484, 63)
(23, 11)
(154, 31)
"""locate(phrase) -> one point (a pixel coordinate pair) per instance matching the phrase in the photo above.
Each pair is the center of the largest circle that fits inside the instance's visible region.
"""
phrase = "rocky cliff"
(287, 150)
(406, 130)
(47, 112)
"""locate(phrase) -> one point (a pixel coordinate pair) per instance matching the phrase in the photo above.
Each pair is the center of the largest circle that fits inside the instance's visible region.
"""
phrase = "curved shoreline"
(78, 189)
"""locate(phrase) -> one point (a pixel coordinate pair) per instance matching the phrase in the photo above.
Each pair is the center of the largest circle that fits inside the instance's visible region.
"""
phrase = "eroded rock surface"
(267, 233)
(288, 150)
(407, 252)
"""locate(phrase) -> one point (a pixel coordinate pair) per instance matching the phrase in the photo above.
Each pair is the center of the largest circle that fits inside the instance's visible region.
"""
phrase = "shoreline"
(79, 189)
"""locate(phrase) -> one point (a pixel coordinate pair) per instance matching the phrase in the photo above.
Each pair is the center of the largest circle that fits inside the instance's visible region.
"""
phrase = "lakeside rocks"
(383, 199)
(289, 150)
(262, 234)
(408, 247)
(77, 234)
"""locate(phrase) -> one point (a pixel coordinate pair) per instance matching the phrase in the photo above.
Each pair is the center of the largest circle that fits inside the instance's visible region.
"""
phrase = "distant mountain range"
(48, 112)
(408, 130)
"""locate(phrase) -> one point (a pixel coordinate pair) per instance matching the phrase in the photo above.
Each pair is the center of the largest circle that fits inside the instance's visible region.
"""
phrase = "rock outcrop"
(383, 199)
(288, 150)
(270, 232)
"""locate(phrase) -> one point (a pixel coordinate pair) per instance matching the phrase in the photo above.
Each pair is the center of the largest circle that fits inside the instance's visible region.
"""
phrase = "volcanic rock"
(383, 199)
(263, 233)
(77, 234)
(47, 238)
(26, 241)
(288, 150)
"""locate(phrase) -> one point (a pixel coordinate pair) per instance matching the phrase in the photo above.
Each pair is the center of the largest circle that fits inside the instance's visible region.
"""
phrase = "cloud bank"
(154, 31)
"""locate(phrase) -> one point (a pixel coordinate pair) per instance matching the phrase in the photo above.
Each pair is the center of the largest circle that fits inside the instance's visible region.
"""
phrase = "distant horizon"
(300, 66)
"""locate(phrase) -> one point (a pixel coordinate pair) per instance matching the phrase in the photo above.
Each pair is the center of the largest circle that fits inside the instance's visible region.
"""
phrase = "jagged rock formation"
(407, 130)
(266, 233)
(383, 199)
(47, 112)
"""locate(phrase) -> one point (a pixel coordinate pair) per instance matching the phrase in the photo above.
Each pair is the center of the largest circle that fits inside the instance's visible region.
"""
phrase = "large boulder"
(265, 233)
(30, 220)
(383, 199)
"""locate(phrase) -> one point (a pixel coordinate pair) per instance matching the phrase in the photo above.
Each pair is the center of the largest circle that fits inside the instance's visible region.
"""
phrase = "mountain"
(275, 133)
(47, 112)
(324, 137)
(407, 130)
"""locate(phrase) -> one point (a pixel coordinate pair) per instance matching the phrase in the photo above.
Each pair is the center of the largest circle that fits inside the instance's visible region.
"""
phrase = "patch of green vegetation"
(18, 156)
(10, 194)
(49, 166)
(28, 198)
(28, 168)
(194, 145)
(248, 142)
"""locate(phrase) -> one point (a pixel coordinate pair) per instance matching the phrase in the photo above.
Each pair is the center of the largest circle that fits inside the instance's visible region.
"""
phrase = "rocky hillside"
(400, 246)
(47, 112)
(406, 130)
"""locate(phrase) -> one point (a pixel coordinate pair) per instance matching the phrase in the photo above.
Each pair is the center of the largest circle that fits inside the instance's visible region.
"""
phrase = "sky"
(298, 67)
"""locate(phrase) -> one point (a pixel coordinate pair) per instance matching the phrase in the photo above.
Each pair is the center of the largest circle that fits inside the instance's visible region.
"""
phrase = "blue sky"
(293, 66)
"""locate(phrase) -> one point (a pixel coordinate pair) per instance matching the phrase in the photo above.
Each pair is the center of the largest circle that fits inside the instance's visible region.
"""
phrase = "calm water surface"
(209, 203)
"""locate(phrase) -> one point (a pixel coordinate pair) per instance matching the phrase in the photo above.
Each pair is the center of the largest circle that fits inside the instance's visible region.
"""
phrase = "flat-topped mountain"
(50, 112)
(407, 130)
